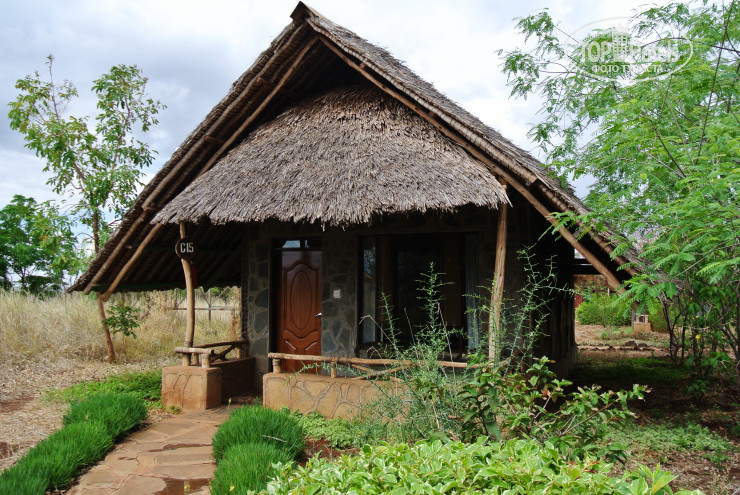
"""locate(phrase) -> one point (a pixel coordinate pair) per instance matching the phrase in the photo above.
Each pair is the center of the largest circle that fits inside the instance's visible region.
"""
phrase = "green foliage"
(123, 319)
(58, 459)
(119, 413)
(246, 467)
(601, 309)
(146, 386)
(37, 246)
(667, 438)
(339, 432)
(90, 428)
(255, 424)
(664, 152)
(102, 166)
(642, 370)
(533, 404)
(514, 467)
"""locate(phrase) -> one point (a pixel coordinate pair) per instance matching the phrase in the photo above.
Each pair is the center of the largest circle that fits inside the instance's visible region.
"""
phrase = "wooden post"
(190, 290)
(497, 294)
(277, 365)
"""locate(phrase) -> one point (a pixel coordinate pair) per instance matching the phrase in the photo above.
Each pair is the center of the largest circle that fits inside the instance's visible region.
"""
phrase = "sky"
(191, 52)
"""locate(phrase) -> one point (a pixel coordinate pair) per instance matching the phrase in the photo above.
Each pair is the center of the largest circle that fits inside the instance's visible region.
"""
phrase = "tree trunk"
(106, 330)
(98, 295)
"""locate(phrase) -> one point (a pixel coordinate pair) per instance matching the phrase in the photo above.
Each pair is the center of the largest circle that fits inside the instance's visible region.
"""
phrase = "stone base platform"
(194, 388)
(331, 397)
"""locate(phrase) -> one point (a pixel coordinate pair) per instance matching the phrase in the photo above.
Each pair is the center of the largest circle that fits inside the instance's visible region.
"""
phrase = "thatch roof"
(312, 56)
(313, 163)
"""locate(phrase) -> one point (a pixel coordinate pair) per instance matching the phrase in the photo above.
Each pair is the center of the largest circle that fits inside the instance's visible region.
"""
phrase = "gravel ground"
(25, 418)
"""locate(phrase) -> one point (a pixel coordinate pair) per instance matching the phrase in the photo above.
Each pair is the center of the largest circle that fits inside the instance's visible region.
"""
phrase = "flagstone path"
(171, 457)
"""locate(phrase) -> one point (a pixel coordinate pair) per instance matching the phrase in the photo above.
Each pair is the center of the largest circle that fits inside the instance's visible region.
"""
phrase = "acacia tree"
(661, 135)
(99, 167)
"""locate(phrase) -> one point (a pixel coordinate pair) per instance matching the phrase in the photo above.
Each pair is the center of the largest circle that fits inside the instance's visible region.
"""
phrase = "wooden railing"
(206, 354)
(361, 364)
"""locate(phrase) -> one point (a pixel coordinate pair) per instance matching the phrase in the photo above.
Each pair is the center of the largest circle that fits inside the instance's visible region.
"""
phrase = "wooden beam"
(497, 294)
(122, 273)
(115, 252)
(225, 147)
(612, 280)
(190, 291)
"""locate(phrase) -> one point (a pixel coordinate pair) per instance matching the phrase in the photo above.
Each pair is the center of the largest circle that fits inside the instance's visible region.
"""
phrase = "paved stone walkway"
(171, 457)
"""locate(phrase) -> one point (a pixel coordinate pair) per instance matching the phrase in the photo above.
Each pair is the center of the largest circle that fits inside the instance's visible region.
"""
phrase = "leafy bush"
(339, 432)
(514, 467)
(255, 424)
(118, 413)
(56, 461)
(602, 309)
(247, 467)
(145, 385)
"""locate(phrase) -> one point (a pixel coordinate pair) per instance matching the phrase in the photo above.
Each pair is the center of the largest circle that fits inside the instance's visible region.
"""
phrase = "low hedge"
(514, 467)
(119, 413)
(601, 309)
(91, 427)
(255, 424)
(246, 467)
(249, 444)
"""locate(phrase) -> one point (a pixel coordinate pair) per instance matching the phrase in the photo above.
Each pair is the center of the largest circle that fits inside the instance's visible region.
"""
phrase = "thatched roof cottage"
(331, 174)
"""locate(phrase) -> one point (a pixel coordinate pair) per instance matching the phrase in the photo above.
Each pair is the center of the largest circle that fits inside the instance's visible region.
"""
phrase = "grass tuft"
(143, 385)
(254, 424)
(119, 413)
(246, 467)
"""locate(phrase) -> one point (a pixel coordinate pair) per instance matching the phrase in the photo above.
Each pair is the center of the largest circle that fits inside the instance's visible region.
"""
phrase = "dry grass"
(68, 325)
(56, 342)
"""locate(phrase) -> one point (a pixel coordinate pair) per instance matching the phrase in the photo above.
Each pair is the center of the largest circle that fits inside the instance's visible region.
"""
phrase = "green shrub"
(56, 461)
(247, 467)
(339, 432)
(602, 309)
(119, 413)
(146, 386)
(514, 467)
(255, 424)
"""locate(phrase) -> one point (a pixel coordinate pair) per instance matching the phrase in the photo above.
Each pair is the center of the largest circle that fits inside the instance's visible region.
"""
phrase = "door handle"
(317, 315)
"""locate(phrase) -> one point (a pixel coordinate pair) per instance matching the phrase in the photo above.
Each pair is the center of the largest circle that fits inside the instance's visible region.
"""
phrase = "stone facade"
(330, 397)
(340, 270)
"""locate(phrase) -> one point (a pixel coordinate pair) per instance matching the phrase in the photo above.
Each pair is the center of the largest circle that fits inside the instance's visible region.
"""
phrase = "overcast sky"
(192, 51)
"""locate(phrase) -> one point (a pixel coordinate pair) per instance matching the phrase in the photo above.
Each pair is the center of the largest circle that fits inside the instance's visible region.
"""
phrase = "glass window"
(396, 266)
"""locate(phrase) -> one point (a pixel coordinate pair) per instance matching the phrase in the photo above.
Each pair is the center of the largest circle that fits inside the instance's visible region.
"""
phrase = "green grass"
(144, 385)
(641, 370)
(119, 413)
(56, 461)
(247, 467)
(662, 437)
(254, 424)
(91, 427)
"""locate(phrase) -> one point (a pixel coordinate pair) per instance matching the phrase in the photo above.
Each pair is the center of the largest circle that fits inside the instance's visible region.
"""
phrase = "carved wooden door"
(299, 306)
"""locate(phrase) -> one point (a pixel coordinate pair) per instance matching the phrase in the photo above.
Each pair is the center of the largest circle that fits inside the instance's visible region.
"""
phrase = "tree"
(99, 168)
(37, 246)
(655, 121)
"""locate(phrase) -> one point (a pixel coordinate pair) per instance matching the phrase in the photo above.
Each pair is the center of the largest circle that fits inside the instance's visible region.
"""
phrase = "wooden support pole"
(277, 365)
(497, 294)
(190, 291)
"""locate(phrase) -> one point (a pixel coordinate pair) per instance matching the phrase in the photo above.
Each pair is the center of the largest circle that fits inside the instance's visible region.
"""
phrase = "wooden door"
(299, 305)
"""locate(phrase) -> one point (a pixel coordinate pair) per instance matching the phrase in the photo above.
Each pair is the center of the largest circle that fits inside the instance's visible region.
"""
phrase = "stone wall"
(339, 314)
(330, 397)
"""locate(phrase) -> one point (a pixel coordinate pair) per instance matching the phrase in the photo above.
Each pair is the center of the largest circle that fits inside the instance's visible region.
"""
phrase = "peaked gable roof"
(310, 56)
